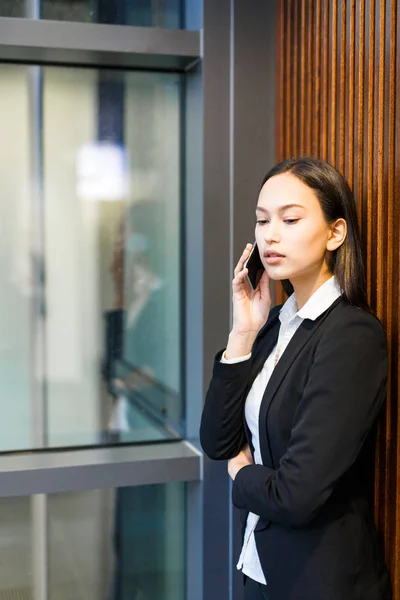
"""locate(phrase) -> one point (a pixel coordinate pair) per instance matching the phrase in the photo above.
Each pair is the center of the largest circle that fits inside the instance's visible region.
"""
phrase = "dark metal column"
(216, 274)
(253, 145)
(238, 148)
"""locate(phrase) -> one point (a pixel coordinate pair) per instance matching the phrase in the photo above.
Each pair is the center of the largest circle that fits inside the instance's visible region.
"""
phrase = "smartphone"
(255, 267)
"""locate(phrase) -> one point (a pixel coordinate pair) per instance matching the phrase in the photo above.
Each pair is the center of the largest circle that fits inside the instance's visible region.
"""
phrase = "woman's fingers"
(239, 279)
(245, 255)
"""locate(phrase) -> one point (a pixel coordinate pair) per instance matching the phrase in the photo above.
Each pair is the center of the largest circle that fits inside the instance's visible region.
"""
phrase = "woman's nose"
(272, 233)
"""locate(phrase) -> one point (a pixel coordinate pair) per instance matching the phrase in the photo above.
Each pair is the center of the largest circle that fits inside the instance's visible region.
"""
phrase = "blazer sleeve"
(222, 433)
(338, 408)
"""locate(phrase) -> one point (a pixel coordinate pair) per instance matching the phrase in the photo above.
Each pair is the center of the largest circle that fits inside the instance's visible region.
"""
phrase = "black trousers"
(254, 590)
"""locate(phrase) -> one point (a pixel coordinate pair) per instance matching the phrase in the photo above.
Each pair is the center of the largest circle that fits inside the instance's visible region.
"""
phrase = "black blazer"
(315, 538)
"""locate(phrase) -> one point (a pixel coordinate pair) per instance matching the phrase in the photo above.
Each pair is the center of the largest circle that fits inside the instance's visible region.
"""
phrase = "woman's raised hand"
(250, 308)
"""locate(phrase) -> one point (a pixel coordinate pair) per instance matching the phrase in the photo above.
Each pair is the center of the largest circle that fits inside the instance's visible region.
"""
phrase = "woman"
(294, 398)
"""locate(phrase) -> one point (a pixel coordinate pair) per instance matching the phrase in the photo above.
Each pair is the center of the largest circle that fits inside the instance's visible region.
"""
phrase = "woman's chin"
(275, 275)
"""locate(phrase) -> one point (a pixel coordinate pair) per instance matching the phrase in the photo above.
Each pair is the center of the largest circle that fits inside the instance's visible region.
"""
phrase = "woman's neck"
(304, 289)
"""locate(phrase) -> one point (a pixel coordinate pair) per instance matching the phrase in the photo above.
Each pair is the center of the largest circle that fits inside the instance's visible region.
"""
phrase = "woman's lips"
(273, 258)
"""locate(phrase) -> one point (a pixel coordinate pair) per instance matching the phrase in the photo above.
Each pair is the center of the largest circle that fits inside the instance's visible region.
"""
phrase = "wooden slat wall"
(338, 71)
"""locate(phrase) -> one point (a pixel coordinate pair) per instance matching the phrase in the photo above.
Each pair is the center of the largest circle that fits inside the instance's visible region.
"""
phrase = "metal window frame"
(33, 41)
(44, 43)
(52, 472)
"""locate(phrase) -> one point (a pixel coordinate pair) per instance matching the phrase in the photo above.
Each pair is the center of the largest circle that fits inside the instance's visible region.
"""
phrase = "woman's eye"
(291, 221)
(261, 221)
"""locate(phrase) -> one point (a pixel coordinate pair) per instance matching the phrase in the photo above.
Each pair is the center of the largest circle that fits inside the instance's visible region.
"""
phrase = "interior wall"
(337, 75)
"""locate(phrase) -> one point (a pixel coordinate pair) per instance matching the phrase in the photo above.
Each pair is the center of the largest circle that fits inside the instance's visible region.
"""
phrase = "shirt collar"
(319, 302)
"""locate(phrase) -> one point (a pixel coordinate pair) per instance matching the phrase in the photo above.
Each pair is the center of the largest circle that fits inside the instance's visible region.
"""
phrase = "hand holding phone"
(251, 300)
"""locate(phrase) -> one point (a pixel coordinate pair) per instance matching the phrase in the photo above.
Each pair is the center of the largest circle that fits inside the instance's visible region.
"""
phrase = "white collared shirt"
(290, 318)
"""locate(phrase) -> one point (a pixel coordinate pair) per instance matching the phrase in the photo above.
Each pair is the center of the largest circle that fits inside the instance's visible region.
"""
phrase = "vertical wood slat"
(342, 88)
(393, 286)
(390, 264)
(309, 77)
(324, 82)
(315, 137)
(370, 142)
(343, 73)
(333, 71)
(351, 95)
(360, 106)
(303, 82)
(382, 455)
(296, 78)
(380, 138)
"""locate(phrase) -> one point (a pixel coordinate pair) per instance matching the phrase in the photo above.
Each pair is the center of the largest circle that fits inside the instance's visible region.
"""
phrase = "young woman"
(294, 397)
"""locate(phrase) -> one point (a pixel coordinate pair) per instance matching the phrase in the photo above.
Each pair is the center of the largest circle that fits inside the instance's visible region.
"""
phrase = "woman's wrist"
(240, 343)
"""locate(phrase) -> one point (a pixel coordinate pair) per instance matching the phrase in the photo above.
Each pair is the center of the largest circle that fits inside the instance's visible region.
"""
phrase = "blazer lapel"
(298, 341)
(262, 349)
(265, 345)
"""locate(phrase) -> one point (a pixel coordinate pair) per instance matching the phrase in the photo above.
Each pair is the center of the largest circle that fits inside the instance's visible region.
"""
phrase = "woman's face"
(291, 231)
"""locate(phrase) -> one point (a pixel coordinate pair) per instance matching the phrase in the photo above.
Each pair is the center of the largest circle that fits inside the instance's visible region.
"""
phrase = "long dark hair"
(337, 202)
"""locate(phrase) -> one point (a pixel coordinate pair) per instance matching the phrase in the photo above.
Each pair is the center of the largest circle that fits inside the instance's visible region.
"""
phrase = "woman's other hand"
(243, 459)
(250, 309)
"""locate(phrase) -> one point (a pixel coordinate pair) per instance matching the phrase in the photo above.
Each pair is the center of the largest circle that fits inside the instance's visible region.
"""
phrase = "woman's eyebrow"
(280, 209)
(283, 208)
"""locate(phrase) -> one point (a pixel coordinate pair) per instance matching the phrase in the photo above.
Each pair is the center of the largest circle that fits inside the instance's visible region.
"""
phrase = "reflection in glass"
(121, 544)
(16, 284)
(141, 13)
(16, 548)
(110, 192)
(13, 8)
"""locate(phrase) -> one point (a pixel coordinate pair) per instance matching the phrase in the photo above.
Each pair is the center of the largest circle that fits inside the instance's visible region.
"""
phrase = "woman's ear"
(337, 235)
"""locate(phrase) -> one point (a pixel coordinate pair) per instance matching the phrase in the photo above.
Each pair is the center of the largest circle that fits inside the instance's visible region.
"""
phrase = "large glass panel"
(119, 544)
(15, 262)
(16, 549)
(122, 544)
(105, 226)
(142, 13)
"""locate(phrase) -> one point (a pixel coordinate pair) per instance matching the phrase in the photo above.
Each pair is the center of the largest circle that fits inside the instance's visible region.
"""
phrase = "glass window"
(142, 13)
(16, 548)
(113, 544)
(90, 253)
